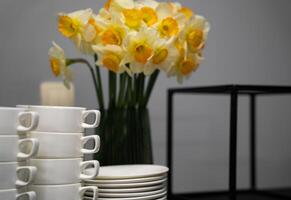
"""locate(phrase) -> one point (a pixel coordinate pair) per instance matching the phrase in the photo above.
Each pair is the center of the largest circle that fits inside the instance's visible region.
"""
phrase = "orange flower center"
(55, 66)
(108, 4)
(187, 12)
(112, 37)
(68, 26)
(160, 56)
(142, 53)
(188, 66)
(169, 27)
(133, 18)
(112, 62)
(149, 16)
(195, 39)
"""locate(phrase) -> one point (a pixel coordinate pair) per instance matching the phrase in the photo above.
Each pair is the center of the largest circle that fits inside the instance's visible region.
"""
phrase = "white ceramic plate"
(136, 180)
(126, 195)
(132, 190)
(127, 185)
(150, 197)
(131, 171)
(88, 198)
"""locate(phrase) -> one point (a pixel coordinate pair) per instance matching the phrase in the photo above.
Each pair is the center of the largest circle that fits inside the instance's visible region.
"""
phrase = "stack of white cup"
(59, 159)
(12, 149)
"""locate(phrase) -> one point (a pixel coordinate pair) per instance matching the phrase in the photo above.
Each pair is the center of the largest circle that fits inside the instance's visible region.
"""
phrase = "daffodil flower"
(164, 56)
(58, 64)
(111, 57)
(135, 36)
(140, 48)
(195, 33)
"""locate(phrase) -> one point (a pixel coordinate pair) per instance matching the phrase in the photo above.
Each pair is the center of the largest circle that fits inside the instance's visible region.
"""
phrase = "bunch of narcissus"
(135, 39)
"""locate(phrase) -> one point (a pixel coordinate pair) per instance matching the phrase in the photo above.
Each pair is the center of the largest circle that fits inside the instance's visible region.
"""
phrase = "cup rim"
(12, 108)
(50, 107)
(56, 159)
(55, 186)
(8, 190)
(55, 133)
(8, 136)
(7, 163)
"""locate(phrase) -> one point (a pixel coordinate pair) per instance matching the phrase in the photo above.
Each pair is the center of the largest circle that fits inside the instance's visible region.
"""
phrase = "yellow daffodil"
(111, 57)
(164, 57)
(195, 33)
(113, 35)
(114, 32)
(70, 25)
(80, 27)
(186, 62)
(58, 64)
(186, 11)
(135, 36)
(168, 27)
(149, 16)
(133, 17)
(171, 22)
(91, 35)
(140, 48)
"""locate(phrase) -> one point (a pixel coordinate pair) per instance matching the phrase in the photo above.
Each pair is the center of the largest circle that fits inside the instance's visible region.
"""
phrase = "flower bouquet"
(134, 41)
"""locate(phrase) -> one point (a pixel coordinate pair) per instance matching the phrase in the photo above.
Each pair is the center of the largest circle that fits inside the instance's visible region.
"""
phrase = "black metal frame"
(234, 91)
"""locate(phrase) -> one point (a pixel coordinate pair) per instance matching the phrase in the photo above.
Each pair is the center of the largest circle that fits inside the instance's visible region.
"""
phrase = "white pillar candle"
(56, 94)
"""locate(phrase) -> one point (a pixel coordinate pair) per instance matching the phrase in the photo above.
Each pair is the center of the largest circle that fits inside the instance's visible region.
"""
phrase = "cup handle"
(30, 195)
(34, 148)
(86, 113)
(34, 121)
(95, 169)
(96, 140)
(94, 189)
(32, 172)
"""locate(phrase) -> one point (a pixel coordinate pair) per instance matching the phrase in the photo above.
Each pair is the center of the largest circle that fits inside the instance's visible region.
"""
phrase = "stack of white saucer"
(13, 178)
(130, 182)
(59, 159)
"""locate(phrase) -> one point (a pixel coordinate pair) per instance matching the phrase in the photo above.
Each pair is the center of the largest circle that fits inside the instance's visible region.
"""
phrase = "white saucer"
(89, 198)
(150, 197)
(136, 180)
(127, 185)
(126, 195)
(130, 171)
(132, 190)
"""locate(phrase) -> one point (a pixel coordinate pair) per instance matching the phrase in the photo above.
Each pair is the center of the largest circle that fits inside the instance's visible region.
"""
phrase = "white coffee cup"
(64, 145)
(62, 192)
(63, 119)
(12, 194)
(9, 175)
(11, 148)
(12, 120)
(63, 171)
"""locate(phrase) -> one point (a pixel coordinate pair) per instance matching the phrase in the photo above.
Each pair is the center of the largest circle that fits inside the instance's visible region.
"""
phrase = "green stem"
(99, 81)
(84, 61)
(150, 86)
(129, 98)
(141, 88)
(135, 89)
(112, 89)
(122, 81)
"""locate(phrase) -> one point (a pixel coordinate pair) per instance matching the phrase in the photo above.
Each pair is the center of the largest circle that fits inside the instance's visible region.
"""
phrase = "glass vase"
(125, 137)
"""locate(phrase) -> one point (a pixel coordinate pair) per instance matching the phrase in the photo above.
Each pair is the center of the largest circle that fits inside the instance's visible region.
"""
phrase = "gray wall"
(249, 43)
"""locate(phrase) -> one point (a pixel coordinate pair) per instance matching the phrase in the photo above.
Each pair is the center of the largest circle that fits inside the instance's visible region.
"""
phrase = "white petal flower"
(58, 64)
(111, 57)
(140, 48)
